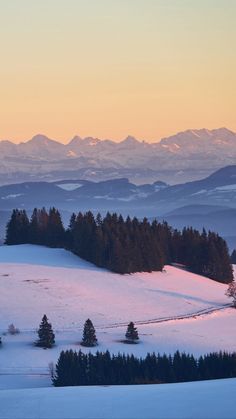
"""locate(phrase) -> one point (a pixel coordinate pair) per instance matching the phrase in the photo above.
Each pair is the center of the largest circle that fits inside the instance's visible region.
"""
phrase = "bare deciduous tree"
(231, 292)
(12, 330)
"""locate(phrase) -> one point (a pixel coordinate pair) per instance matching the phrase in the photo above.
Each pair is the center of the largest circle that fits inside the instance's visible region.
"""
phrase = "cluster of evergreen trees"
(77, 368)
(124, 245)
(45, 228)
(46, 336)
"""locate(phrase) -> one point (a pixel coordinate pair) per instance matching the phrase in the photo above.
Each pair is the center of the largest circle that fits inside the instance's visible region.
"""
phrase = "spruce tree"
(132, 333)
(55, 233)
(17, 228)
(233, 257)
(45, 333)
(89, 334)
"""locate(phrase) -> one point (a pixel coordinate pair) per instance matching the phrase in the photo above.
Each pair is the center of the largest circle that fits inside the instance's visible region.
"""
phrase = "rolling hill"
(172, 310)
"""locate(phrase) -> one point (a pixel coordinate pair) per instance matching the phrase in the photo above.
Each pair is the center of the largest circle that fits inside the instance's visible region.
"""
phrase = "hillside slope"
(202, 400)
(69, 290)
(164, 305)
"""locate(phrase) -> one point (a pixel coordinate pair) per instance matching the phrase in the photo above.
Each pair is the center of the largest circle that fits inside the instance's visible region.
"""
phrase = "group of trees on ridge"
(76, 368)
(124, 245)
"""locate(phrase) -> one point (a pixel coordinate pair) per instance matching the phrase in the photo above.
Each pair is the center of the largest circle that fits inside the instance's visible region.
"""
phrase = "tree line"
(79, 369)
(124, 245)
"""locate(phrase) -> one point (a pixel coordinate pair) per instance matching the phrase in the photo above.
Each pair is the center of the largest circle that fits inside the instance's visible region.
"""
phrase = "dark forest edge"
(79, 369)
(124, 245)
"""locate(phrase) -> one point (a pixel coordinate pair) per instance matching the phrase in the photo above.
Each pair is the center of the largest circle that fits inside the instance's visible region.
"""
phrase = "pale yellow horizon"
(109, 68)
(67, 140)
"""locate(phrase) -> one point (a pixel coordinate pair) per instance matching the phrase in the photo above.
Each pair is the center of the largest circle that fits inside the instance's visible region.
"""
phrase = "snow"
(69, 186)
(12, 196)
(35, 280)
(51, 280)
(202, 400)
(226, 188)
(202, 191)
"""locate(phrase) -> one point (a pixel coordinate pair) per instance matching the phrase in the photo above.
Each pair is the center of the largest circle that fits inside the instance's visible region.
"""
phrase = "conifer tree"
(233, 257)
(55, 230)
(89, 334)
(45, 333)
(17, 228)
(34, 227)
(132, 333)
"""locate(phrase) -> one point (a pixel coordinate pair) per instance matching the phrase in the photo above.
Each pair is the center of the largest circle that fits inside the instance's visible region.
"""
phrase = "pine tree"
(45, 333)
(233, 257)
(17, 228)
(34, 227)
(132, 333)
(55, 233)
(89, 334)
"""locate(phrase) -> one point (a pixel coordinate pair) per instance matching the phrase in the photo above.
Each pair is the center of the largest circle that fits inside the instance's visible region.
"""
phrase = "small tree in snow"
(51, 368)
(89, 334)
(45, 333)
(132, 333)
(231, 292)
(12, 330)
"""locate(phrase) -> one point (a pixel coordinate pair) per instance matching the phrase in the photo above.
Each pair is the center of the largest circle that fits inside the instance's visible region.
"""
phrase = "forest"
(79, 369)
(124, 245)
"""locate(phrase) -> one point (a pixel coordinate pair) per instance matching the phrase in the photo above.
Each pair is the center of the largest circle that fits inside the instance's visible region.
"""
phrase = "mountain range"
(209, 203)
(218, 190)
(188, 155)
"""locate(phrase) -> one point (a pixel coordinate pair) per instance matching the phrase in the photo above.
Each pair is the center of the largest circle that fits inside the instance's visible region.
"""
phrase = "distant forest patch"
(124, 245)
(79, 369)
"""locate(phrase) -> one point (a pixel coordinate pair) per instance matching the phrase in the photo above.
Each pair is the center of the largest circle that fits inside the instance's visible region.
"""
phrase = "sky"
(112, 68)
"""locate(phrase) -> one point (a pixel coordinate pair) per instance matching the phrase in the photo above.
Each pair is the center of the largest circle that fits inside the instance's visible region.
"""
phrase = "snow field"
(35, 280)
(199, 400)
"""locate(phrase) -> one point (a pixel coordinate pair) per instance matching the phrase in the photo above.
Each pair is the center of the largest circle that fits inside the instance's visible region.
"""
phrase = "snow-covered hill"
(199, 400)
(173, 310)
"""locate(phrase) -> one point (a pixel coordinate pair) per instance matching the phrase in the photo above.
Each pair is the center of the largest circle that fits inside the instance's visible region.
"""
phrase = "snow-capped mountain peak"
(199, 151)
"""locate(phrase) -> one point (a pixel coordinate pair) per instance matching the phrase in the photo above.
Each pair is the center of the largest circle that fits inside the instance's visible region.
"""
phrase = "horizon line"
(113, 140)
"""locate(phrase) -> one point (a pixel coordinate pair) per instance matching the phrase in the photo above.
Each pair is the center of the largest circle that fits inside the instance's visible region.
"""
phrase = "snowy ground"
(35, 280)
(199, 400)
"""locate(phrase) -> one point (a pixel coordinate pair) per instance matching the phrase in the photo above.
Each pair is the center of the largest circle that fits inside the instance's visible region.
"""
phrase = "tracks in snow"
(157, 320)
(194, 315)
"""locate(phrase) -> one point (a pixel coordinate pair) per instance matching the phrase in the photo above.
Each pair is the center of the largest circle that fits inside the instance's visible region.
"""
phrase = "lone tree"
(231, 292)
(12, 330)
(45, 333)
(132, 333)
(89, 334)
(233, 257)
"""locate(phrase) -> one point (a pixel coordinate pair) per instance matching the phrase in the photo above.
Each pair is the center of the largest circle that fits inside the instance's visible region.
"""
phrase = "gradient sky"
(109, 68)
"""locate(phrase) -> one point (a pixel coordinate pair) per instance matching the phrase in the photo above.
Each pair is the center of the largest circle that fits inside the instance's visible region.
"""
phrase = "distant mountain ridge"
(209, 203)
(188, 155)
(217, 190)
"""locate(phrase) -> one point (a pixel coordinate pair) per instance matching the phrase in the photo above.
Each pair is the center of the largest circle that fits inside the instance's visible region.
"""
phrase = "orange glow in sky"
(110, 68)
